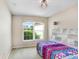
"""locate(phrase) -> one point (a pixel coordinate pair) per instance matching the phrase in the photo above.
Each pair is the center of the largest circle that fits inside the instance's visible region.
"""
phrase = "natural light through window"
(33, 30)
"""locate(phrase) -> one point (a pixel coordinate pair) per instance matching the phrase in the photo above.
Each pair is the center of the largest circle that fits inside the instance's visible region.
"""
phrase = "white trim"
(32, 40)
(33, 33)
(7, 55)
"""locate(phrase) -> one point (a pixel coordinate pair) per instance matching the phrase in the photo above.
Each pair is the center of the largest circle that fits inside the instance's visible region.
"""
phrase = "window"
(33, 30)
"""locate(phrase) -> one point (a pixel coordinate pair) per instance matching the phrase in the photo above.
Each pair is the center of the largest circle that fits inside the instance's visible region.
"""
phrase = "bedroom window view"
(33, 30)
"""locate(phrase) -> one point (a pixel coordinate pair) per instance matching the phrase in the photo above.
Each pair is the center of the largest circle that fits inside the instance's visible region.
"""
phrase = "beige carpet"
(24, 53)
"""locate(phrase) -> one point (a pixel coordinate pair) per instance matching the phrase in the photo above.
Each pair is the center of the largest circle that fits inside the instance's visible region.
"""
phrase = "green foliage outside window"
(28, 35)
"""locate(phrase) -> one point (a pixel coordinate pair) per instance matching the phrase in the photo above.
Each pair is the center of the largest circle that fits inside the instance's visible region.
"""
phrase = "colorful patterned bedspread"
(71, 57)
(69, 53)
(54, 50)
(41, 44)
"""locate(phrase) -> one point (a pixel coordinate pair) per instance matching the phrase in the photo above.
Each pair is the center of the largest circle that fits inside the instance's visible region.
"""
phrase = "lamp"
(43, 3)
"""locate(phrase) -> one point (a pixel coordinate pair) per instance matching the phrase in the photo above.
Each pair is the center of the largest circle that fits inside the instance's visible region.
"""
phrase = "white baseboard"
(8, 54)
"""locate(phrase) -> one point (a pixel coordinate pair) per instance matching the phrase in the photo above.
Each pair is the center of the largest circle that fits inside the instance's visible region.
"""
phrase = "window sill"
(32, 40)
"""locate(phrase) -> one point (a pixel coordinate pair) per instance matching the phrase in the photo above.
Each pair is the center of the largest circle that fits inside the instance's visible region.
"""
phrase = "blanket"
(54, 50)
(41, 44)
(60, 54)
(51, 48)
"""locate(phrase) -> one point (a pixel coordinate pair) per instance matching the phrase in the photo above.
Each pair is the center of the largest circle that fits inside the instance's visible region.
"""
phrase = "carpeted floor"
(24, 53)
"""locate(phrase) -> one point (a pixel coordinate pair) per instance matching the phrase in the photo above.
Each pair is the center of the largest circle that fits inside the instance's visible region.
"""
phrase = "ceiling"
(33, 8)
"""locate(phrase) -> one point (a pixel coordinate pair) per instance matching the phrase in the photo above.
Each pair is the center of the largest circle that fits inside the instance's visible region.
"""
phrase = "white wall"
(66, 19)
(17, 41)
(5, 31)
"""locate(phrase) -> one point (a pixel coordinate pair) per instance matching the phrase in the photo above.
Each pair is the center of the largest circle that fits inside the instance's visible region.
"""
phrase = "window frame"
(33, 31)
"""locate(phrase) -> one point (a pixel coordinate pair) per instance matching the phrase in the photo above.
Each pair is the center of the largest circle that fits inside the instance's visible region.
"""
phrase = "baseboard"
(8, 54)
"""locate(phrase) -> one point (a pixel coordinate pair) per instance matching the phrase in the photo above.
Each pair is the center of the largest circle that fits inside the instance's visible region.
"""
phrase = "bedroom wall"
(65, 19)
(17, 41)
(5, 31)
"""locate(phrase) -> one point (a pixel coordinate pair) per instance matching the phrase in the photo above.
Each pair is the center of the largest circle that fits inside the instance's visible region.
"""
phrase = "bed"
(55, 50)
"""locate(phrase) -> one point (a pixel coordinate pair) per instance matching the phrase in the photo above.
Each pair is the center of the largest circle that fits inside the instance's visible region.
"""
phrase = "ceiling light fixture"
(44, 3)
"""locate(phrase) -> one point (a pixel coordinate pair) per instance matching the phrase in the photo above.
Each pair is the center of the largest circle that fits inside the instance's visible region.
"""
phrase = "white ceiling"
(33, 8)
